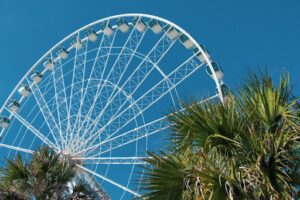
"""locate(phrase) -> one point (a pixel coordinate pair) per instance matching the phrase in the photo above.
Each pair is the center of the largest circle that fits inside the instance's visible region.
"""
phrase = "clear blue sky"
(239, 34)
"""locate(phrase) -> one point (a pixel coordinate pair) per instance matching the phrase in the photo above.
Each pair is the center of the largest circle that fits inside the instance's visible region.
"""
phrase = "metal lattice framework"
(100, 99)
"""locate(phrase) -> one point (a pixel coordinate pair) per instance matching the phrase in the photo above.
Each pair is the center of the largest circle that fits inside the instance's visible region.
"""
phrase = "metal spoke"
(33, 130)
(47, 114)
(16, 148)
(61, 100)
(109, 181)
(77, 85)
(95, 186)
(114, 160)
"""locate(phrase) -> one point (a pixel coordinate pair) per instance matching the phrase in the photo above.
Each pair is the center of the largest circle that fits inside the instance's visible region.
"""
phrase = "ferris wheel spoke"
(47, 114)
(98, 69)
(16, 148)
(109, 180)
(61, 100)
(99, 55)
(29, 126)
(95, 185)
(77, 83)
(114, 160)
(119, 68)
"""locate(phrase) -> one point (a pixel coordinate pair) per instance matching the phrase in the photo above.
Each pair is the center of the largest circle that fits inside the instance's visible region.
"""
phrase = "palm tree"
(46, 176)
(244, 148)
(6, 194)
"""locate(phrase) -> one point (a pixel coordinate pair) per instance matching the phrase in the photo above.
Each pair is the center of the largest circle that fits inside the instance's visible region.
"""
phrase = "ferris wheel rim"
(208, 61)
(50, 51)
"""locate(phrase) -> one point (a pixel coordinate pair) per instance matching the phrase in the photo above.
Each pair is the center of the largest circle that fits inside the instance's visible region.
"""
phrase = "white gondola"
(172, 33)
(14, 105)
(4, 122)
(186, 41)
(107, 29)
(36, 76)
(49, 64)
(217, 69)
(200, 55)
(91, 34)
(225, 90)
(155, 26)
(139, 24)
(123, 25)
(62, 52)
(24, 90)
(76, 43)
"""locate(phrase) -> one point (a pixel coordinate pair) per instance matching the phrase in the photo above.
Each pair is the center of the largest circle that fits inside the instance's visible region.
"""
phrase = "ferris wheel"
(100, 96)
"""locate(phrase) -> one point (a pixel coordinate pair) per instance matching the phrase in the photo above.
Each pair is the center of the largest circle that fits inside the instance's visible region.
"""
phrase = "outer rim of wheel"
(182, 31)
(208, 61)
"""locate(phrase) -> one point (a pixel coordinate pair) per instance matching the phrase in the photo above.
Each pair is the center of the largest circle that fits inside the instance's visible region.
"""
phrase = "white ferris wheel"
(101, 96)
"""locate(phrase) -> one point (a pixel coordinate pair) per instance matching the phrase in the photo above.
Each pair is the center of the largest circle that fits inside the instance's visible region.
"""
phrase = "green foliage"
(244, 148)
(165, 181)
(44, 177)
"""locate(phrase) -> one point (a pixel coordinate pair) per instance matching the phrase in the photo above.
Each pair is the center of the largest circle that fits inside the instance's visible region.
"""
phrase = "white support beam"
(47, 114)
(109, 181)
(114, 160)
(16, 148)
(33, 129)
(102, 195)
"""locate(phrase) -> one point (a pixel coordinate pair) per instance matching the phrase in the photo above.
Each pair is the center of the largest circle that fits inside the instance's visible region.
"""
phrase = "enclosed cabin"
(49, 64)
(13, 105)
(24, 90)
(186, 41)
(217, 69)
(139, 24)
(171, 32)
(200, 55)
(62, 52)
(225, 90)
(123, 25)
(107, 29)
(36, 76)
(4, 122)
(76, 43)
(91, 34)
(155, 26)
